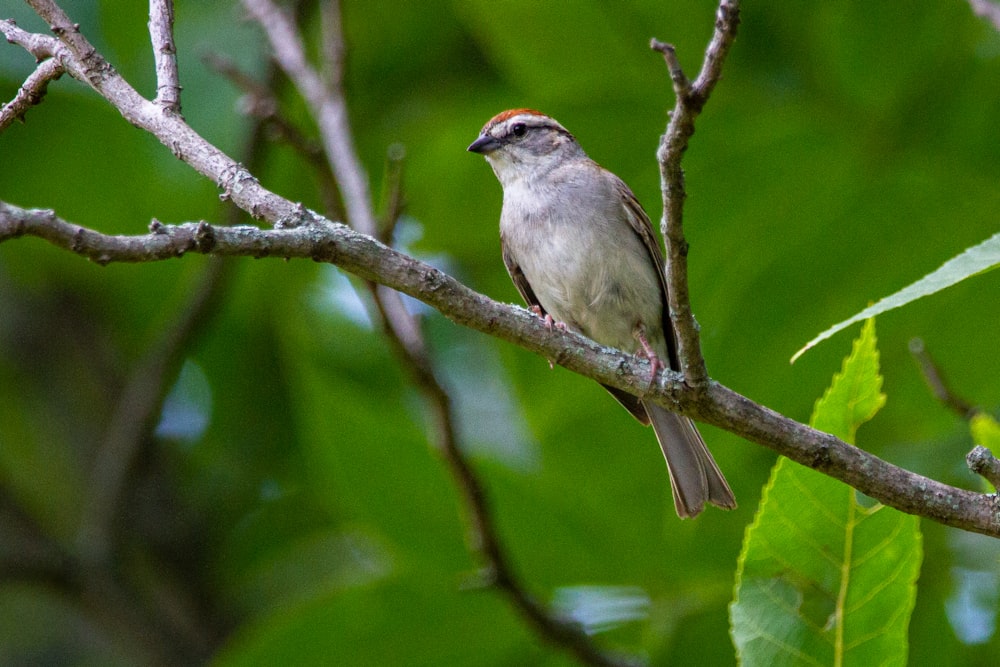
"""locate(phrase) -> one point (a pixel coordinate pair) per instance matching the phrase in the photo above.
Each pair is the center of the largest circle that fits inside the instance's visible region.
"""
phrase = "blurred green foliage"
(290, 508)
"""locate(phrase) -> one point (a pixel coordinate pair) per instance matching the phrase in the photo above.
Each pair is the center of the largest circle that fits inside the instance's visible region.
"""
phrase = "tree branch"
(161, 33)
(31, 93)
(982, 462)
(84, 63)
(360, 254)
(691, 98)
(328, 108)
(979, 459)
(935, 380)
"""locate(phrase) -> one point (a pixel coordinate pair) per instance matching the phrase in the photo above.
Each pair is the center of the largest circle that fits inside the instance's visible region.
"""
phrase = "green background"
(290, 507)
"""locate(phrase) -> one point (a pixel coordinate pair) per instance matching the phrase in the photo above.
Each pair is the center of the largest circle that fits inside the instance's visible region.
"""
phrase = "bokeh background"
(288, 507)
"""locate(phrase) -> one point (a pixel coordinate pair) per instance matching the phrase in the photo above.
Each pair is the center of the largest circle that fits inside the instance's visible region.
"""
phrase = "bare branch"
(334, 50)
(691, 98)
(261, 103)
(682, 85)
(84, 63)
(982, 462)
(392, 192)
(987, 10)
(69, 34)
(31, 93)
(364, 256)
(161, 33)
(935, 380)
(40, 46)
(328, 108)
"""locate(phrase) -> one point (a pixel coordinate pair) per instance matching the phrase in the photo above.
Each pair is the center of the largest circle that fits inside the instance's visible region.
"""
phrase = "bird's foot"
(549, 321)
(648, 352)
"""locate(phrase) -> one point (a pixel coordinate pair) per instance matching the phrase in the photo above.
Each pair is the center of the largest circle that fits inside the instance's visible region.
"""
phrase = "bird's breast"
(591, 272)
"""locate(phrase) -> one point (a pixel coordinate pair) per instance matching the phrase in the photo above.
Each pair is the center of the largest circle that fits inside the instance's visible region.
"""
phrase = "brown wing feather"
(642, 226)
(520, 281)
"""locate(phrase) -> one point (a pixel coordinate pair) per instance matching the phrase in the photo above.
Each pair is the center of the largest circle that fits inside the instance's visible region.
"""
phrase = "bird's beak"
(484, 144)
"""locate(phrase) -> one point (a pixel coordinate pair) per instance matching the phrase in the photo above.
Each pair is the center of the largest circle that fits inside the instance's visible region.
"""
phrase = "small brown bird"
(581, 251)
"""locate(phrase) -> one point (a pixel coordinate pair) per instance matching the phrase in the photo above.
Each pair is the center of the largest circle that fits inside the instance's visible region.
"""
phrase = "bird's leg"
(648, 352)
(549, 321)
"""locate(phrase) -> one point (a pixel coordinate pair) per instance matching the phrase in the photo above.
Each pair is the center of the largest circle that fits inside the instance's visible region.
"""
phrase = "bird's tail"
(694, 476)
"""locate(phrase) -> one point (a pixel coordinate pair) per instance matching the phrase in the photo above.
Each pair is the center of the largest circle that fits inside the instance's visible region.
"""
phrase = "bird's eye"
(518, 129)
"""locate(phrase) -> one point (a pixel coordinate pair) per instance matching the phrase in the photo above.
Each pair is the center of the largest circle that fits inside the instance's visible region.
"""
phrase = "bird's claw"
(549, 323)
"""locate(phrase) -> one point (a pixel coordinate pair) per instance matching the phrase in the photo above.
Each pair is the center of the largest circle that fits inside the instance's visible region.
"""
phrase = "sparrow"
(581, 251)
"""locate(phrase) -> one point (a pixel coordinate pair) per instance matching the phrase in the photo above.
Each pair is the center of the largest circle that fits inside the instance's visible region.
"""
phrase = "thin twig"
(161, 33)
(691, 98)
(31, 92)
(262, 103)
(935, 380)
(392, 192)
(982, 462)
(40, 46)
(334, 49)
(682, 85)
(84, 63)
(328, 109)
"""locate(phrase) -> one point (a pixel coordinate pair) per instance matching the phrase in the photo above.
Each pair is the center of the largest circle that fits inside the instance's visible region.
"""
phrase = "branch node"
(299, 217)
(982, 462)
(204, 237)
(682, 85)
(77, 244)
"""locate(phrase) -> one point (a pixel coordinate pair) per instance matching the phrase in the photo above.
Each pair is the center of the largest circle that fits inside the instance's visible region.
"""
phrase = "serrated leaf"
(855, 394)
(822, 579)
(975, 260)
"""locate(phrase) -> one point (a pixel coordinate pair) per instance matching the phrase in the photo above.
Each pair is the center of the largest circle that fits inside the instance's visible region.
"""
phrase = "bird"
(581, 251)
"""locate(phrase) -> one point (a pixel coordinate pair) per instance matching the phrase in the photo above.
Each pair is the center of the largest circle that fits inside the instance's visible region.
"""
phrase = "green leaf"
(823, 579)
(985, 431)
(975, 260)
(855, 394)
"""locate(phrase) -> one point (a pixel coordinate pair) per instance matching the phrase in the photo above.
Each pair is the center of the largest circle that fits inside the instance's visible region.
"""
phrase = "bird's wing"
(520, 281)
(643, 228)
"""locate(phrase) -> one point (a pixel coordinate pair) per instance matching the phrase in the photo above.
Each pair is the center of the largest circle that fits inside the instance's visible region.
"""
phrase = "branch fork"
(300, 232)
